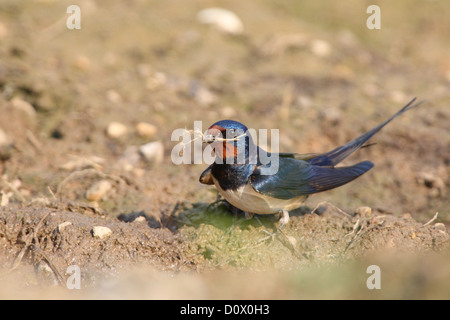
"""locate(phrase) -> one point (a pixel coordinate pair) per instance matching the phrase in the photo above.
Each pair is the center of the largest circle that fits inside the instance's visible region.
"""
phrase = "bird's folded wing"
(296, 178)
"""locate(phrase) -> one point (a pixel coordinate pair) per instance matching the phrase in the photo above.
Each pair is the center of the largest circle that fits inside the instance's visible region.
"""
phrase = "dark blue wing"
(297, 177)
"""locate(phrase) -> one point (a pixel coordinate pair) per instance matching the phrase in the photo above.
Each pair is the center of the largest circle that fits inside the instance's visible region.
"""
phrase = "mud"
(313, 71)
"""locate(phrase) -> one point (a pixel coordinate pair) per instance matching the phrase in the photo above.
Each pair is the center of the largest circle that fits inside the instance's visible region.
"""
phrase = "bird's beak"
(211, 135)
(209, 138)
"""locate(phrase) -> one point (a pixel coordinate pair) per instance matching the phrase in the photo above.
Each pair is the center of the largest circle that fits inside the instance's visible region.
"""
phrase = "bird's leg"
(218, 200)
(284, 218)
(248, 215)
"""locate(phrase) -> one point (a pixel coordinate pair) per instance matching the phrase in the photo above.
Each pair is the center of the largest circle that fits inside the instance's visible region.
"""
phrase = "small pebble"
(331, 115)
(129, 158)
(204, 96)
(25, 106)
(146, 130)
(320, 48)
(82, 62)
(116, 130)
(363, 211)
(224, 20)
(140, 219)
(440, 226)
(152, 152)
(100, 232)
(397, 96)
(98, 190)
(63, 225)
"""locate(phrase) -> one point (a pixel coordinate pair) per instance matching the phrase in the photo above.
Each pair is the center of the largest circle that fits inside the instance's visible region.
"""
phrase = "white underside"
(248, 199)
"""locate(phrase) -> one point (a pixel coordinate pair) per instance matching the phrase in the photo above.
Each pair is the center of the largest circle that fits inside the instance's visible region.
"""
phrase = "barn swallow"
(243, 185)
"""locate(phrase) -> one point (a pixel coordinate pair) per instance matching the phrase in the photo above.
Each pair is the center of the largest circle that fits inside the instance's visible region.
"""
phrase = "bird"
(245, 186)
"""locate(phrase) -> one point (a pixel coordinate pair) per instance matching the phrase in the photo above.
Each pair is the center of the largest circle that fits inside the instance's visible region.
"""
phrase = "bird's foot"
(219, 200)
(284, 219)
(249, 215)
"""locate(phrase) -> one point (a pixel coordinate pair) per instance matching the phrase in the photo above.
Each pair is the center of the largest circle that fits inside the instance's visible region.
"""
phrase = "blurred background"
(81, 107)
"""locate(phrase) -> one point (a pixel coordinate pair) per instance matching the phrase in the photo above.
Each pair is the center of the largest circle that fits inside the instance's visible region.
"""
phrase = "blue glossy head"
(229, 125)
(229, 139)
(226, 129)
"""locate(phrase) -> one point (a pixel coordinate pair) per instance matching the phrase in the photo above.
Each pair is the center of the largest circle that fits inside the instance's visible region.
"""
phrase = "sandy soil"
(314, 71)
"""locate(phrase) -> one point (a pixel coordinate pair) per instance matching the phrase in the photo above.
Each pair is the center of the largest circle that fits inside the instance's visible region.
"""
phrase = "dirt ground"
(78, 105)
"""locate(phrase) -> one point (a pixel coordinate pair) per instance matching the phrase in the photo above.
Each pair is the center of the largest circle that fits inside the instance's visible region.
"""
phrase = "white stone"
(116, 130)
(140, 219)
(224, 20)
(98, 190)
(63, 225)
(440, 226)
(25, 106)
(130, 158)
(364, 211)
(320, 48)
(100, 232)
(146, 130)
(152, 152)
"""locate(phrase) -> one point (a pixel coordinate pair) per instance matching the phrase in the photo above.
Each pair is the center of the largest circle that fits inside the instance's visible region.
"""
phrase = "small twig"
(357, 225)
(353, 240)
(38, 250)
(38, 226)
(332, 205)
(29, 244)
(34, 141)
(288, 244)
(52, 193)
(59, 276)
(432, 219)
(258, 244)
(18, 259)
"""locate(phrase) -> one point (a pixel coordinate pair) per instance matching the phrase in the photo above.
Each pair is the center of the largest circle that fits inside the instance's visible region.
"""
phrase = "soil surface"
(77, 107)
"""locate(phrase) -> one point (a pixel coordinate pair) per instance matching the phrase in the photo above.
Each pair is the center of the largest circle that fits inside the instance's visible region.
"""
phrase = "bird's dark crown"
(229, 129)
(230, 124)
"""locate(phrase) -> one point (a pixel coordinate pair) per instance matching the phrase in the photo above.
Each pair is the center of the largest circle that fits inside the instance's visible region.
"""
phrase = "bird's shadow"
(220, 214)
